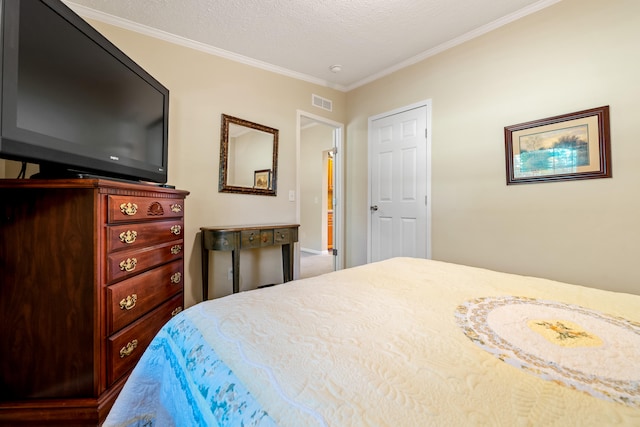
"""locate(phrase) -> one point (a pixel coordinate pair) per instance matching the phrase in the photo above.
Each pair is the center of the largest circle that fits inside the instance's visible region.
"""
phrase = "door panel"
(385, 229)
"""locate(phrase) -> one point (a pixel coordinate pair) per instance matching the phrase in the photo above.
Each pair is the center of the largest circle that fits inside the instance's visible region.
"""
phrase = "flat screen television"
(74, 103)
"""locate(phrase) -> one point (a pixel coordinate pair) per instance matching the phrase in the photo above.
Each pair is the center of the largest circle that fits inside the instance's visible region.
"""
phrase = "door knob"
(373, 208)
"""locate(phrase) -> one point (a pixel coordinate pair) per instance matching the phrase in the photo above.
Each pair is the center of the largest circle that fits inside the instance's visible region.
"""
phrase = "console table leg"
(287, 264)
(205, 267)
(235, 261)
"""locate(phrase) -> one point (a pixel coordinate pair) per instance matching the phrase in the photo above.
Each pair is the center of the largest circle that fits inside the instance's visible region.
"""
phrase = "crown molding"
(89, 13)
(542, 4)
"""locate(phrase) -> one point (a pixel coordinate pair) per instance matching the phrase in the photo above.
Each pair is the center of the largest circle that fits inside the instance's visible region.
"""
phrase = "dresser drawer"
(131, 298)
(132, 208)
(123, 264)
(125, 348)
(143, 234)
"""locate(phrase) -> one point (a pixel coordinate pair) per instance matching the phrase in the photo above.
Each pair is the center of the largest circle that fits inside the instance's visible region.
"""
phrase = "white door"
(398, 206)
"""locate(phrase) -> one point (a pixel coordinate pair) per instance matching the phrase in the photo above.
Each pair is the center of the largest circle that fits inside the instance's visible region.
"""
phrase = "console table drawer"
(130, 299)
(131, 208)
(282, 235)
(124, 264)
(126, 347)
(143, 234)
(255, 238)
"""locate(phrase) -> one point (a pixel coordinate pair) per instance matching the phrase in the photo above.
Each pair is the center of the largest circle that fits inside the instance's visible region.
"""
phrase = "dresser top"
(104, 184)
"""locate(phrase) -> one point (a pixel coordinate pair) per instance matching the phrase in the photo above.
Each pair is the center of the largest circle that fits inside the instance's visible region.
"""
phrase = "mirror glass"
(248, 157)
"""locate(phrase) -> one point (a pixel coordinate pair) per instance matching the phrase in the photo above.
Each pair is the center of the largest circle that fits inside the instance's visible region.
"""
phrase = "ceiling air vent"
(320, 102)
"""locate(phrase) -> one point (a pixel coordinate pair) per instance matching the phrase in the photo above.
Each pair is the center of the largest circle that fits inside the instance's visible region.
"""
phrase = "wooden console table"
(236, 238)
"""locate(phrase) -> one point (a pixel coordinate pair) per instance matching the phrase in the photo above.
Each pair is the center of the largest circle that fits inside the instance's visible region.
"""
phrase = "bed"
(401, 342)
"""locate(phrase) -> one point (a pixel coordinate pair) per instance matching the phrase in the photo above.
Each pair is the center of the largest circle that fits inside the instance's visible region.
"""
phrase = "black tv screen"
(72, 101)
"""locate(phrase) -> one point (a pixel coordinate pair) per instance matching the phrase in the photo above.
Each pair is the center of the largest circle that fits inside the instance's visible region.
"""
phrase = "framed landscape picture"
(567, 147)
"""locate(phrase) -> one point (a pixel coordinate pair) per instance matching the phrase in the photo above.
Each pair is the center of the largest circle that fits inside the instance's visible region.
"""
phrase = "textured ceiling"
(368, 38)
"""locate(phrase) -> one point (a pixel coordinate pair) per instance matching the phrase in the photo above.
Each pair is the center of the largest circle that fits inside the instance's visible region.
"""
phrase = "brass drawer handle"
(176, 249)
(176, 229)
(129, 208)
(128, 236)
(176, 278)
(176, 311)
(176, 207)
(128, 349)
(129, 302)
(128, 264)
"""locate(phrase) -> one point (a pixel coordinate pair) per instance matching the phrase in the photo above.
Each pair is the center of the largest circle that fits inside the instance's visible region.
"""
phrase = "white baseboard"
(313, 251)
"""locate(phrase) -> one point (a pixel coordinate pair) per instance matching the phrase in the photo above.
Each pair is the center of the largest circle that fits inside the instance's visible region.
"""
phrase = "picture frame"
(571, 146)
(262, 179)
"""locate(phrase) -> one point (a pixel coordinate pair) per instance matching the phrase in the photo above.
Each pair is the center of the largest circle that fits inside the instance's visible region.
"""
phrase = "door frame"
(425, 103)
(338, 187)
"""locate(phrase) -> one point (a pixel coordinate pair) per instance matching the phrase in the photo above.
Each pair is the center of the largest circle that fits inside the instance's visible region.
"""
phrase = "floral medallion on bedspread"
(571, 345)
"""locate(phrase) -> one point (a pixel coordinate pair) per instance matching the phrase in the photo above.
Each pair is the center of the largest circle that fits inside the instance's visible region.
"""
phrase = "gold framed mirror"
(248, 157)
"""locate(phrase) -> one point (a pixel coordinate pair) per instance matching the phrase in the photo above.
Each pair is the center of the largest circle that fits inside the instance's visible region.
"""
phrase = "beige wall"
(203, 87)
(575, 55)
(571, 56)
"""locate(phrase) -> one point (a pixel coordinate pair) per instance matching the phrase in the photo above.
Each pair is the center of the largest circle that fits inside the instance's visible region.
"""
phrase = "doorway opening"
(319, 202)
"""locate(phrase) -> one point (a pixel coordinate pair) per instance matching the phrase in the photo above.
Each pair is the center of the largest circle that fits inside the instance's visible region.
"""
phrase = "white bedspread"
(388, 344)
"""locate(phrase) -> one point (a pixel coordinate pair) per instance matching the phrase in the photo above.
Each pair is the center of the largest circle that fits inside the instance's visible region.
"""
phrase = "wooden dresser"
(90, 270)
